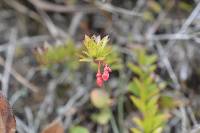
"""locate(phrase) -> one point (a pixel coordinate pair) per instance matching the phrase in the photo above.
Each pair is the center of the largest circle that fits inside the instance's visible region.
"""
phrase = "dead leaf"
(54, 127)
(7, 119)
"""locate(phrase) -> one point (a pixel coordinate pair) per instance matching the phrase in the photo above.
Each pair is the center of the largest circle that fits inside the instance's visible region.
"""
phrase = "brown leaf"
(54, 127)
(7, 119)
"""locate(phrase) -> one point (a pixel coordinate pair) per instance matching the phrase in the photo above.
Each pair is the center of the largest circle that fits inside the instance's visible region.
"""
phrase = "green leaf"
(85, 60)
(152, 102)
(152, 105)
(103, 117)
(133, 88)
(167, 102)
(185, 6)
(138, 103)
(158, 130)
(135, 68)
(162, 85)
(148, 16)
(152, 68)
(135, 130)
(152, 87)
(148, 80)
(78, 129)
(138, 121)
(148, 122)
(154, 6)
(103, 42)
(141, 56)
(151, 59)
(114, 60)
(141, 88)
(159, 120)
(100, 58)
(86, 53)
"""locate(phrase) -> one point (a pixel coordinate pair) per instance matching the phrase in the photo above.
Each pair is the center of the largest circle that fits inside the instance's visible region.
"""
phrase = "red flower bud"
(99, 79)
(98, 74)
(105, 75)
(99, 82)
(107, 68)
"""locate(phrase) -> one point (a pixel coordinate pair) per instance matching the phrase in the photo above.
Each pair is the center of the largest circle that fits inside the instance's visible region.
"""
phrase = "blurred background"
(57, 92)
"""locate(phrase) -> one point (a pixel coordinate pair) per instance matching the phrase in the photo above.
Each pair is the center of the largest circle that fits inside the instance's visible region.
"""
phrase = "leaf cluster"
(50, 55)
(95, 49)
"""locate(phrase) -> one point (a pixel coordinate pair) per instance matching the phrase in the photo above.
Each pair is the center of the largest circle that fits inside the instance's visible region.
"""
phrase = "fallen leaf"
(54, 127)
(7, 119)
